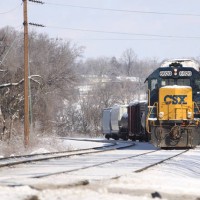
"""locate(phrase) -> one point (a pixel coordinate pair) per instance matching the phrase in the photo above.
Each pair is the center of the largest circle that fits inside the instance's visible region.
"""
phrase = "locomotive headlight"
(175, 72)
(189, 115)
(161, 115)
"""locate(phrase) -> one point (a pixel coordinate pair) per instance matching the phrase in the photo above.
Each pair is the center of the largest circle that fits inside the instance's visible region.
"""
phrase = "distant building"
(89, 81)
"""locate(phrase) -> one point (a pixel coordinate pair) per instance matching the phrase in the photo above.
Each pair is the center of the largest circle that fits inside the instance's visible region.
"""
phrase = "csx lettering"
(175, 99)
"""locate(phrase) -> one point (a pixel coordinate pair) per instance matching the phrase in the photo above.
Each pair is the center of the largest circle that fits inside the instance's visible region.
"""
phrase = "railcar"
(136, 122)
(114, 122)
(106, 119)
(125, 121)
(173, 117)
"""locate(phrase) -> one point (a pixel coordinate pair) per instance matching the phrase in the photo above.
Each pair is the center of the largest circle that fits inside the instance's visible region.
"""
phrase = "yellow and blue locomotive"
(173, 117)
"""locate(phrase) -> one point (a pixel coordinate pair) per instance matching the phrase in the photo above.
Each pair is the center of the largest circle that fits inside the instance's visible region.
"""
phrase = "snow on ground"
(75, 144)
(129, 187)
(37, 145)
(166, 181)
(26, 193)
(146, 183)
(44, 145)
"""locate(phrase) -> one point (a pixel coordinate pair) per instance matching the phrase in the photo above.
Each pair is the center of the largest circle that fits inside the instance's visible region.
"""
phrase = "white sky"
(104, 44)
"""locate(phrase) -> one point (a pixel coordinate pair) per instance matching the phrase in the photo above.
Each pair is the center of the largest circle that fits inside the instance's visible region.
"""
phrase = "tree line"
(56, 71)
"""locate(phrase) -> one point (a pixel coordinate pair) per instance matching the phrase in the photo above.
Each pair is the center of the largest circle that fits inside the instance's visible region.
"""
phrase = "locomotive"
(171, 115)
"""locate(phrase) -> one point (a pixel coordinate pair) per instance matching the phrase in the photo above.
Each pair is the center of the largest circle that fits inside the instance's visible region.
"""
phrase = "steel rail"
(112, 161)
(94, 165)
(90, 140)
(157, 163)
(56, 155)
(55, 152)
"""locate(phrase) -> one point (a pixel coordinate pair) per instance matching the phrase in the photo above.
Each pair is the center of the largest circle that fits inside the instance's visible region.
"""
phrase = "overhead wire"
(125, 33)
(123, 10)
(5, 35)
(124, 39)
(13, 9)
(1, 62)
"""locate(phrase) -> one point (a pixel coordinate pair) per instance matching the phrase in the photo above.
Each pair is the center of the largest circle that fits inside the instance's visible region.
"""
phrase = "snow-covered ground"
(178, 178)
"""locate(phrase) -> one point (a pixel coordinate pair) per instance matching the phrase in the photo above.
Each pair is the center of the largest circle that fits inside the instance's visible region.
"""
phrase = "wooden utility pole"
(26, 82)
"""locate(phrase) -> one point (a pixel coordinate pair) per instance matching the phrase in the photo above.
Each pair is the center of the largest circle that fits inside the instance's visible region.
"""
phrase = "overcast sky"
(175, 35)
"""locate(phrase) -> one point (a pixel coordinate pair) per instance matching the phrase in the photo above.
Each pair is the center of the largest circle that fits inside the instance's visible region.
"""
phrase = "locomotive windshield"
(154, 83)
(185, 82)
(181, 81)
(165, 82)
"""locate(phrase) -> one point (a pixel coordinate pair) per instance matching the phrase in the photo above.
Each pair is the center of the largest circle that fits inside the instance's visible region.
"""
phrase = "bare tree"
(55, 71)
(52, 60)
(129, 59)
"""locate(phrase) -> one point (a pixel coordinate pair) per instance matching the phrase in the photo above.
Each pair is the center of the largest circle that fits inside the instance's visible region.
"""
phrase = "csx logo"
(175, 99)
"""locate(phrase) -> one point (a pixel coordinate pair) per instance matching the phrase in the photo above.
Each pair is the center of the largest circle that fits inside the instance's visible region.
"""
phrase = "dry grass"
(38, 143)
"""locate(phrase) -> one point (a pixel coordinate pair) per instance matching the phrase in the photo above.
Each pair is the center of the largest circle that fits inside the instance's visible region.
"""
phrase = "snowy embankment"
(43, 145)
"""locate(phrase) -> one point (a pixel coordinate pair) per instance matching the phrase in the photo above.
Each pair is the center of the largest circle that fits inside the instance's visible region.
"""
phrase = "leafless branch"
(20, 82)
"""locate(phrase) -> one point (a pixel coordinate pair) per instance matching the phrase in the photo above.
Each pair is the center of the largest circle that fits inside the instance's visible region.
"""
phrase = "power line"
(124, 39)
(120, 33)
(35, 24)
(125, 11)
(114, 32)
(125, 33)
(7, 32)
(13, 9)
(11, 46)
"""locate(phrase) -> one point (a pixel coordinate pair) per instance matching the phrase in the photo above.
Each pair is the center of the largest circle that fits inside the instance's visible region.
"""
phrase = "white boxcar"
(116, 114)
(106, 118)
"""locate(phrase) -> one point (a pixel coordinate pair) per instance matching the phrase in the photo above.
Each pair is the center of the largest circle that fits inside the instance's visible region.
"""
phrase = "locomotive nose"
(175, 102)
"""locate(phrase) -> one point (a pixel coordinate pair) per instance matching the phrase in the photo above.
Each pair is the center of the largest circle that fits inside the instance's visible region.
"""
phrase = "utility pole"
(26, 81)
(26, 70)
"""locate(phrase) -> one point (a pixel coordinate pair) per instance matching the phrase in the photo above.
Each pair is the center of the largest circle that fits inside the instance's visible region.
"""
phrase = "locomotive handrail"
(149, 113)
(195, 103)
(149, 93)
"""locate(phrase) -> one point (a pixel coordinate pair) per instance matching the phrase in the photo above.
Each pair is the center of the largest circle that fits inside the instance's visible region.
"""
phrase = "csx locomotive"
(171, 116)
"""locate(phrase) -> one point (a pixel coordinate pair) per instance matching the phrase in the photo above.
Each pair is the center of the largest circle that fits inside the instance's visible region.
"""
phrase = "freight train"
(171, 115)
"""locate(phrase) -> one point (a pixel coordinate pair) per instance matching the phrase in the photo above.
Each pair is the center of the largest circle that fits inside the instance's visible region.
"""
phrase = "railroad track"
(16, 160)
(160, 162)
(76, 161)
(88, 140)
(140, 162)
(146, 161)
(86, 165)
(95, 165)
(184, 165)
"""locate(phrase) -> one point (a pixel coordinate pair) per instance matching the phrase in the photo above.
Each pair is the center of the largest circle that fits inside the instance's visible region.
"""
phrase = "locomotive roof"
(184, 62)
(176, 86)
(137, 102)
